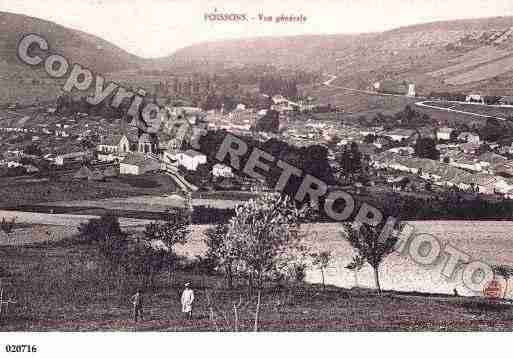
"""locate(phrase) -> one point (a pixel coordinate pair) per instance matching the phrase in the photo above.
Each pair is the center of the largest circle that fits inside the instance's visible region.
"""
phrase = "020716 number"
(20, 348)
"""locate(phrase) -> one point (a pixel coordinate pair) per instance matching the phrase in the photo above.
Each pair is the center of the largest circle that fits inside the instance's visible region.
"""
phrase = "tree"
(356, 265)
(174, 230)
(111, 240)
(264, 233)
(505, 272)
(270, 122)
(7, 226)
(426, 148)
(220, 251)
(322, 260)
(370, 245)
(33, 149)
(350, 160)
(147, 258)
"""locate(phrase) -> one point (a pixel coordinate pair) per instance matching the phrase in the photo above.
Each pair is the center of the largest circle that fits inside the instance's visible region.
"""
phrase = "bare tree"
(174, 230)
(370, 245)
(356, 265)
(7, 226)
(221, 251)
(322, 260)
(505, 272)
(257, 311)
(264, 234)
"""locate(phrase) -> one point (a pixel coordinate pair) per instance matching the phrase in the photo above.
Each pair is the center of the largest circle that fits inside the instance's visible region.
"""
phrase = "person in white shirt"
(187, 300)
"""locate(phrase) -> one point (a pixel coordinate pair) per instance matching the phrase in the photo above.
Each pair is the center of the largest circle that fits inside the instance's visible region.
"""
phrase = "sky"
(155, 28)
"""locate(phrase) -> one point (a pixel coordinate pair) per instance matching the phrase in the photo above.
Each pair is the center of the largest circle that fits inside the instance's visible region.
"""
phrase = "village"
(162, 177)
(38, 142)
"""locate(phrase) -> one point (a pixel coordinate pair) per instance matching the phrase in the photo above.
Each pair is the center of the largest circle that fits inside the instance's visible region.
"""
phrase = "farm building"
(475, 98)
(191, 159)
(220, 170)
(395, 87)
(114, 144)
(444, 133)
(506, 100)
(137, 164)
(469, 137)
(148, 143)
(62, 159)
(399, 134)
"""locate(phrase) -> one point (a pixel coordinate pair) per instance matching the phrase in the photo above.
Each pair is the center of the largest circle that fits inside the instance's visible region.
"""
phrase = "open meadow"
(68, 287)
(67, 284)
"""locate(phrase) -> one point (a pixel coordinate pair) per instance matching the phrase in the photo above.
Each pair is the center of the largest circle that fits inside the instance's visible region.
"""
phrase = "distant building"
(506, 101)
(395, 87)
(62, 159)
(381, 142)
(475, 98)
(470, 148)
(148, 143)
(399, 134)
(191, 159)
(138, 164)
(31, 169)
(220, 170)
(444, 133)
(13, 164)
(114, 144)
(469, 137)
(403, 151)
(411, 90)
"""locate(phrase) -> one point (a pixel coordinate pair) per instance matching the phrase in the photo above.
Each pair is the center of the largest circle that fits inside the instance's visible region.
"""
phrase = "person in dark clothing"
(137, 303)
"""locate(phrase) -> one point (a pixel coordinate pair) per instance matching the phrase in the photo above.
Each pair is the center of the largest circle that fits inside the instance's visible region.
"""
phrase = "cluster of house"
(445, 175)
(12, 159)
(480, 99)
(145, 152)
(461, 164)
(311, 132)
(241, 119)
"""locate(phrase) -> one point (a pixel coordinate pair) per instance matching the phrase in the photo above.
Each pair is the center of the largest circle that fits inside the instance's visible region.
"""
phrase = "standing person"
(137, 303)
(187, 299)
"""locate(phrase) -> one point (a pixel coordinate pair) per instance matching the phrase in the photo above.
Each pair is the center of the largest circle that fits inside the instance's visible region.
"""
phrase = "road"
(423, 104)
(332, 78)
(365, 92)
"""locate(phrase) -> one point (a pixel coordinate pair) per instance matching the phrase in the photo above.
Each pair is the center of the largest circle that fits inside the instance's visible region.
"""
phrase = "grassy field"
(67, 286)
(478, 109)
(13, 193)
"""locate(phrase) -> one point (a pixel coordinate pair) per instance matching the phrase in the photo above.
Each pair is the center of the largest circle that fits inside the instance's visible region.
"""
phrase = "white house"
(469, 137)
(191, 159)
(220, 170)
(475, 98)
(444, 133)
(13, 164)
(114, 144)
(399, 134)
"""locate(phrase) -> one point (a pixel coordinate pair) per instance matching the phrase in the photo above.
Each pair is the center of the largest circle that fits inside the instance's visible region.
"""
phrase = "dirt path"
(422, 104)
(63, 219)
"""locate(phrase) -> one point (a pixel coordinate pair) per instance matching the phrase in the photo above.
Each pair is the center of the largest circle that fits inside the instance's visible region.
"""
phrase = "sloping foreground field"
(487, 241)
(69, 286)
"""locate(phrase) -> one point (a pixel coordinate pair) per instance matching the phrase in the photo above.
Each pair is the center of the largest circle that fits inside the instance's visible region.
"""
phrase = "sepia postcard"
(235, 166)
